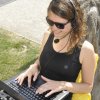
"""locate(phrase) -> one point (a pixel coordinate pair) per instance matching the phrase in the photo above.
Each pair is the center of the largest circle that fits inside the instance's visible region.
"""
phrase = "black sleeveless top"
(59, 66)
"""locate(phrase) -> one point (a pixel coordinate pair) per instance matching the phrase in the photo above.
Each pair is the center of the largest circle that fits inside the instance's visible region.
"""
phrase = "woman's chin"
(56, 35)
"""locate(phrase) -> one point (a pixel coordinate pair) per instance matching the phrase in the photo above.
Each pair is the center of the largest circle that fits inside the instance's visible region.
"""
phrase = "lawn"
(16, 54)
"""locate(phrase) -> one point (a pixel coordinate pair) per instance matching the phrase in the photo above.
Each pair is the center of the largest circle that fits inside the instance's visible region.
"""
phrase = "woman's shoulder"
(87, 46)
(44, 40)
(87, 50)
(46, 33)
(45, 36)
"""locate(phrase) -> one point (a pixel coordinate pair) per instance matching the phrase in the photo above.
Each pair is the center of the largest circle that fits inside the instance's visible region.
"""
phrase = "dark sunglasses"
(57, 24)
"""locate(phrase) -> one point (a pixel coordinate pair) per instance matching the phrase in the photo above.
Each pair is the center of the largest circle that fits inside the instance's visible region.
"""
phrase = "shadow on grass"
(25, 66)
(20, 70)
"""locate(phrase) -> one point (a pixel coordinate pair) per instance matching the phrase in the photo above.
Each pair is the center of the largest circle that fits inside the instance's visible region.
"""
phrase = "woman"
(63, 53)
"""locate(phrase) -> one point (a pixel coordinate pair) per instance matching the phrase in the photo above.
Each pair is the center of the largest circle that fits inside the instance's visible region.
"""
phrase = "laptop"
(11, 90)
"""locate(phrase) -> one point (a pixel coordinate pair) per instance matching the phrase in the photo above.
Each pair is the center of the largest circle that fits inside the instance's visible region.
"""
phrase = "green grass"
(16, 54)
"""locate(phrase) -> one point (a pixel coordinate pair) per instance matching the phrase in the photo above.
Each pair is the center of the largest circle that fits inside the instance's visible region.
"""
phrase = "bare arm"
(88, 61)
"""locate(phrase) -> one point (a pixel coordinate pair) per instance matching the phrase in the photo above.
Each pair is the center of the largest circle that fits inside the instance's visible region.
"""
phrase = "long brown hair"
(70, 10)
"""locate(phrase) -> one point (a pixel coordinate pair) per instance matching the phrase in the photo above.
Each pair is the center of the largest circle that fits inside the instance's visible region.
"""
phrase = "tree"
(91, 10)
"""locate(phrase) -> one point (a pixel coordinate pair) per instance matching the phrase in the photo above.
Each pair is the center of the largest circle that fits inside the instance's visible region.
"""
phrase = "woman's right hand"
(31, 71)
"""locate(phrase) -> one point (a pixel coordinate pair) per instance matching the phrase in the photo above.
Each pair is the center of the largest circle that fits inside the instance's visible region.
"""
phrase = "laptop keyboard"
(24, 90)
(11, 89)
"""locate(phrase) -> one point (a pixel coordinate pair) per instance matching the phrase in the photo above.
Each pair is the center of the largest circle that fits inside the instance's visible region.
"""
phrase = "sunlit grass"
(16, 54)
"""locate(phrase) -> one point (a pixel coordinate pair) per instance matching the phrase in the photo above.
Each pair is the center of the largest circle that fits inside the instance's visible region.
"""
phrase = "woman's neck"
(62, 45)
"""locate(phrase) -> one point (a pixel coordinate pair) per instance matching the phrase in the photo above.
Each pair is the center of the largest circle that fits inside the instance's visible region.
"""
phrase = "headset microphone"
(58, 40)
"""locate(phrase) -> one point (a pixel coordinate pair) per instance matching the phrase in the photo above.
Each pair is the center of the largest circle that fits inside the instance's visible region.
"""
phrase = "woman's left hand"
(53, 86)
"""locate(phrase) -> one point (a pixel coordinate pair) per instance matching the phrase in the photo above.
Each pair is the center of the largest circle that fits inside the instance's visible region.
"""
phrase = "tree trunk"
(91, 10)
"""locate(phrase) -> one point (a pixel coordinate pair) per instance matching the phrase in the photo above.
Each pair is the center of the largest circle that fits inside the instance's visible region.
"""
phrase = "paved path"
(4, 2)
(25, 17)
